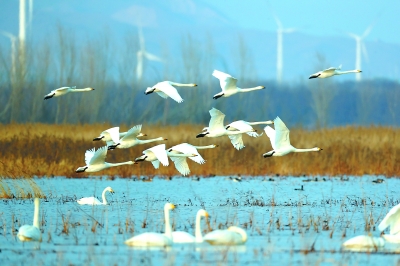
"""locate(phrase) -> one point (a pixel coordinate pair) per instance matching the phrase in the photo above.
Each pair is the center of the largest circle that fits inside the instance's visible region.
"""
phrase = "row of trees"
(110, 66)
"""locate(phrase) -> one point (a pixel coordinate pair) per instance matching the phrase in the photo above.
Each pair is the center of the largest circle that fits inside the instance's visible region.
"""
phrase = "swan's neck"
(197, 234)
(305, 150)
(149, 140)
(168, 229)
(252, 89)
(228, 132)
(183, 84)
(103, 195)
(36, 213)
(171, 154)
(345, 72)
(118, 164)
(204, 147)
(261, 123)
(77, 90)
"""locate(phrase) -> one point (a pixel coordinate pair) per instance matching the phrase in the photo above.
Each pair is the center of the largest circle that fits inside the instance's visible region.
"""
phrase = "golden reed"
(29, 150)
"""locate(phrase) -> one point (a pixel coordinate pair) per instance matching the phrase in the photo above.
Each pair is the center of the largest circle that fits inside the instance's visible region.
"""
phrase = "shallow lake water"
(289, 220)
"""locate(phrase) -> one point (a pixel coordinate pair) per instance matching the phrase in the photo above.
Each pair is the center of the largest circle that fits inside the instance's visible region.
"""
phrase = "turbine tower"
(141, 54)
(360, 46)
(279, 48)
(22, 28)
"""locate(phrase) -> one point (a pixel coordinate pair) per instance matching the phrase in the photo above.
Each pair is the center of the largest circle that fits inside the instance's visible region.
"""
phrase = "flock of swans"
(278, 136)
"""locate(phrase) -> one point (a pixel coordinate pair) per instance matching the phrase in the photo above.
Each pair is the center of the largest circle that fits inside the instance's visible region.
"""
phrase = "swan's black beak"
(98, 138)
(314, 76)
(140, 159)
(48, 96)
(112, 147)
(202, 135)
(80, 169)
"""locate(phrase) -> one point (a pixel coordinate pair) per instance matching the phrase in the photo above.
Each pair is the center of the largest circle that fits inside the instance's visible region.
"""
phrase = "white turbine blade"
(289, 30)
(141, 39)
(368, 30)
(8, 35)
(354, 36)
(278, 22)
(152, 57)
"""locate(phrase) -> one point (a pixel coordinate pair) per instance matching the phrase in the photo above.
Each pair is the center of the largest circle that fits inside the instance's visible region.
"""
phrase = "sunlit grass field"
(28, 150)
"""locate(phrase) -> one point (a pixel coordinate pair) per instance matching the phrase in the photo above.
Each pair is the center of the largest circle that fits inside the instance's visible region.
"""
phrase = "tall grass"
(28, 150)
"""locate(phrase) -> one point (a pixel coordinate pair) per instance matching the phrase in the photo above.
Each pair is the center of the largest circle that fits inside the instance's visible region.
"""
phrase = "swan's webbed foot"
(268, 154)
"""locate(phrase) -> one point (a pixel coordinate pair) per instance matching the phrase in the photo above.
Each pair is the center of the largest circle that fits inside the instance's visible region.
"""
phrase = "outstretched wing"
(217, 120)
(156, 164)
(237, 141)
(132, 133)
(227, 82)
(186, 148)
(181, 165)
(391, 219)
(169, 90)
(271, 135)
(113, 133)
(160, 152)
(281, 134)
(96, 157)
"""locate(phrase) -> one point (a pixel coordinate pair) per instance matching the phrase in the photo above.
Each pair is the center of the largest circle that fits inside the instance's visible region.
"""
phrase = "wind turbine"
(360, 46)
(13, 40)
(141, 54)
(279, 48)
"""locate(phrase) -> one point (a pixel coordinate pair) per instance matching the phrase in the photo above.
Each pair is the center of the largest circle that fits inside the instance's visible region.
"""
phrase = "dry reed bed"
(28, 150)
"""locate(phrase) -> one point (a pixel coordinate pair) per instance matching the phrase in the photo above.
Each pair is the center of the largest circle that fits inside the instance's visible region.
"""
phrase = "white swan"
(360, 242)
(165, 89)
(106, 134)
(232, 236)
(31, 232)
(327, 73)
(237, 140)
(152, 239)
(130, 139)
(228, 85)
(392, 220)
(184, 237)
(155, 155)
(64, 90)
(94, 201)
(280, 141)
(184, 148)
(95, 161)
(216, 126)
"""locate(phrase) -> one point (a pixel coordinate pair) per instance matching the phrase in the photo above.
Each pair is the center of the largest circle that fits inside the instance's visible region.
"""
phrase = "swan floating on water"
(153, 239)
(95, 201)
(332, 71)
(184, 237)
(280, 140)
(360, 243)
(64, 90)
(31, 232)
(241, 125)
(228, 85)
(166, 89)
(216, 126)
(130, 139)
(232, 236)
(95, 161)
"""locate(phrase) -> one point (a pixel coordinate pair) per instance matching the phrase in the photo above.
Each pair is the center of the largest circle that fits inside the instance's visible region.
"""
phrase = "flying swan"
(106, 135)
(232, 236)
(360, 243)
(152, 239)
(280, 141)
(184, 148)
(166, 89)
(64, 90)
(216, 126)
(95, 161)
(130, 139)
(228, 85)
(31, 232)
(392, 220)
(241, 125)
(184, 237)
(94, 201)
(332, 71)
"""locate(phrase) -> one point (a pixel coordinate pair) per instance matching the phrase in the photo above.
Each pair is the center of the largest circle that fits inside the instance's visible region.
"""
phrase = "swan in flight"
(183, 237)
(216, 126)
(184, 148)
(166, 89)
(95, 161)
(228, 85)
(106, 135)
(280, 141)
(155, 155)
(392, 220)
(241, 125)
(152, 239)
(64, 90)
(327, 73)
(130, 139)
(363, 242)
(232, 236)
(31, 232)
(94, 201)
